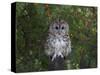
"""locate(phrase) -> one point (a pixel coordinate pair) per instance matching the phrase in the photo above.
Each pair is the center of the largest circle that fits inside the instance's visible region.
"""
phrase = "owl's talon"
(55, 55)
(60, 54)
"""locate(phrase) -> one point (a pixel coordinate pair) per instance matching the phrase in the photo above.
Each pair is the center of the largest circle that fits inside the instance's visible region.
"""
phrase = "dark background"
(32, 22)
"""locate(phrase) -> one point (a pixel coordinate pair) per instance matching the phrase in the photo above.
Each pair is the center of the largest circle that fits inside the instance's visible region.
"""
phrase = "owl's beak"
(59, 33)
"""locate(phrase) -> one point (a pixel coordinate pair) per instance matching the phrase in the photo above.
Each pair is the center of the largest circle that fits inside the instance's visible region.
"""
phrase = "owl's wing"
(48, 50)
(68, 49)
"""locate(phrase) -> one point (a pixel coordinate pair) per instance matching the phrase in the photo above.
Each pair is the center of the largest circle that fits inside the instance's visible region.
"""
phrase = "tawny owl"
(58, 41)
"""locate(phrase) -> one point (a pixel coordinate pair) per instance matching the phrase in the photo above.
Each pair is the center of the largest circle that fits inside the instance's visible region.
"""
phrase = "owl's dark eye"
(56, 27)
(62, 28)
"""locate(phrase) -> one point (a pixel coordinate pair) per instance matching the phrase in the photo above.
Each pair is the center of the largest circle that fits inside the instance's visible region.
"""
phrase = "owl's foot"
(55, 55)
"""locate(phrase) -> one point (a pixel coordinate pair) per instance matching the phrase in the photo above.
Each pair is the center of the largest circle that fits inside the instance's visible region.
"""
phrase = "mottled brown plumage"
(58, 41)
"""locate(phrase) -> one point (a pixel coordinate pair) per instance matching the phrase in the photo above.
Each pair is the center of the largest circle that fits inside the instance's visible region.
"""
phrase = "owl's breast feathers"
(58, 46)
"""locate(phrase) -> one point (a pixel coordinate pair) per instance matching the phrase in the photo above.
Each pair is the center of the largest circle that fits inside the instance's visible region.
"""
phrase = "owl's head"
(59, 27)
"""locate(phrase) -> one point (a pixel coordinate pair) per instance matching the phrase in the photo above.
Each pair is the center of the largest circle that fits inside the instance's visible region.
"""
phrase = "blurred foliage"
(32, 21)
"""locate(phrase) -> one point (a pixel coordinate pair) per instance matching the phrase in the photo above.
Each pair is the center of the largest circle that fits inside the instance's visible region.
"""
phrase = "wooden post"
(56, 64)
